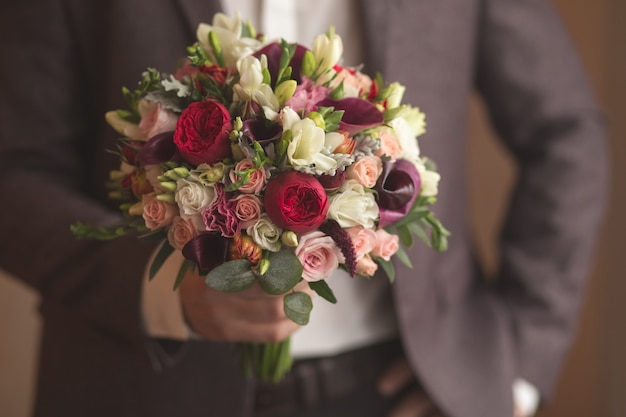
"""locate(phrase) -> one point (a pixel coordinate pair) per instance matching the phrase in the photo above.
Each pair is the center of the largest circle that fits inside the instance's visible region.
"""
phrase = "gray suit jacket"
(62, 63)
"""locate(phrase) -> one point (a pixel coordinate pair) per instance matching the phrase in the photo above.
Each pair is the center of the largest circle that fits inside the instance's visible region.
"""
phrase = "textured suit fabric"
(62, 64)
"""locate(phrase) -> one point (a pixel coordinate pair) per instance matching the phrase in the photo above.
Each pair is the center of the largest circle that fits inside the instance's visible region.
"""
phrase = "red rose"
(201, 134)
(296, 201)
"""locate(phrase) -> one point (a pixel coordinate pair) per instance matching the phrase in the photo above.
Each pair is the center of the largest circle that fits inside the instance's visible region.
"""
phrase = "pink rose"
(389, 145)
(365, 170)
(386, 245)
(363, 240)
(366, 266)
(319, 256)
(256, 180)
(180, 232)
(247, 209)
(157, 214)
(155, 119)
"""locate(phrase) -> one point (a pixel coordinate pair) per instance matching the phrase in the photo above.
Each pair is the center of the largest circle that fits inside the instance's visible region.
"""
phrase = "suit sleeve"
(47, 167)
(541, 106)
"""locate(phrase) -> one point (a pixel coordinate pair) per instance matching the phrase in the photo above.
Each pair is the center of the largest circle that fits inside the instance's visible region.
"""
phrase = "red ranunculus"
(202, 131)
(296, 201)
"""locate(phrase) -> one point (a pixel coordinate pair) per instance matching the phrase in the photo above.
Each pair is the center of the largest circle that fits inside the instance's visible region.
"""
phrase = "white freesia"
(229, 33)
(191, 196)
(251, 86)
(308, 143)
(352, 206)
(265, 234)
(327, 50)
(124, 127)
(395, 96)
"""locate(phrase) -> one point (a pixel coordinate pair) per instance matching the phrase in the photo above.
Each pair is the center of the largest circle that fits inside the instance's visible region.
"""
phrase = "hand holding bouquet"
(269, 162)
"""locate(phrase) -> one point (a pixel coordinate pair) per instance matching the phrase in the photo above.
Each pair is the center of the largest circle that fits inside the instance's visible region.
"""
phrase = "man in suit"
(466, 339)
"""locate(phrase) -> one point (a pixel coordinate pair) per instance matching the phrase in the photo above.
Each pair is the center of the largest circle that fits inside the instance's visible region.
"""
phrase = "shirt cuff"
(161, 306)
(526, 397)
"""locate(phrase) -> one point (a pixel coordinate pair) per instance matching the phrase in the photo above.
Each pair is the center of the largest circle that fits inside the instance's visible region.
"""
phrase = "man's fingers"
(415, 404)
(397, 376)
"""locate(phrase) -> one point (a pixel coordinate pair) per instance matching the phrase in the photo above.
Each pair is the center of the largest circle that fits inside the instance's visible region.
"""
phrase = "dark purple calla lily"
(358, 114)
(398, 187)
(273, 51)
(261, 131)
(332, 182)
(158, 150)
(207, 251)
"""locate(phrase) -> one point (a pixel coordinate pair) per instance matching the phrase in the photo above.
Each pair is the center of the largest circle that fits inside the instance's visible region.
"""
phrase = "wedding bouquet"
(270, 162)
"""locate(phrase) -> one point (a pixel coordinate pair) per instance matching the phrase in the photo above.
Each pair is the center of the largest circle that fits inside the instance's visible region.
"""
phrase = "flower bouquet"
(270, 162)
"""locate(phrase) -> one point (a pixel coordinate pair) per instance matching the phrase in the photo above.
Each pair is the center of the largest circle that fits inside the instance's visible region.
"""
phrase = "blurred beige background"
(595, 372)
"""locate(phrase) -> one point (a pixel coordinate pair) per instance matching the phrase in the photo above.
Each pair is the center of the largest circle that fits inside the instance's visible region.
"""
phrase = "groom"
(465, 339)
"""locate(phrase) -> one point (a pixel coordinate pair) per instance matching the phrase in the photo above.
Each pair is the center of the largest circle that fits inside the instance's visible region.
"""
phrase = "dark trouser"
(342, 385)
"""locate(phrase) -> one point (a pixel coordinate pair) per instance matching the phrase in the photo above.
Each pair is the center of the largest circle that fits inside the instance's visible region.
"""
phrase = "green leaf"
(388, 268)
(298, 306)
(231, 276)
(418, 231)
(182, 272)
(323, 290)
(284, 272)
(163, 253)
(405, 236)
(403, 257)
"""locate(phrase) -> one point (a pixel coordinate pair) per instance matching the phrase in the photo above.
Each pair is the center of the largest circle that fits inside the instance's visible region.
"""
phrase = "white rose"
(430, 181)
(265, 234)
(353, 206)
(415, 118)
(192, 197)
(406, 138)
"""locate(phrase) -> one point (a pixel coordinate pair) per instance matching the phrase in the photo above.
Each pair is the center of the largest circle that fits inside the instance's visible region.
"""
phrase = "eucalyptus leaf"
(323, 290)
(284, 272)
(298, 306)
(231, 276)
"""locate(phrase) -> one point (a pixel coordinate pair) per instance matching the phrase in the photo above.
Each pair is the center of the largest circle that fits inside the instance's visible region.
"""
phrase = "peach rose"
(366, 266)
(363, 240)
(365, 170)
(180, 232)
(247, 209)
(155, 119)
(256, 181)
(389, 144)
(157, 214)
(319, 256)
(386, 245)
(356, 84)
